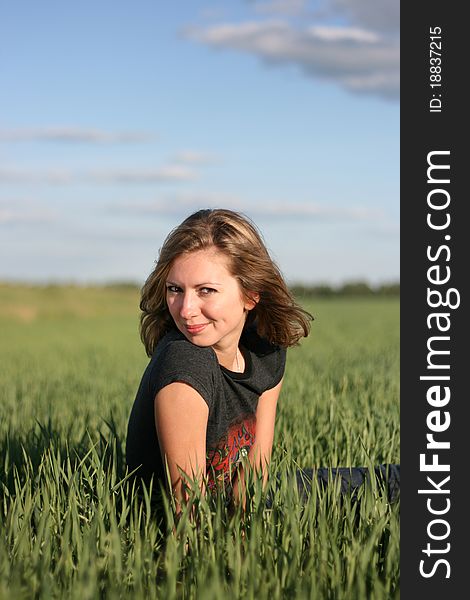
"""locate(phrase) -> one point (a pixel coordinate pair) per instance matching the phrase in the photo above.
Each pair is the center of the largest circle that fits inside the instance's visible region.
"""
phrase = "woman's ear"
(251, 300)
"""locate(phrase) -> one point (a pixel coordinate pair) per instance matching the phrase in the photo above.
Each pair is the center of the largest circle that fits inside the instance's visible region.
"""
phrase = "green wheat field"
(72, 525)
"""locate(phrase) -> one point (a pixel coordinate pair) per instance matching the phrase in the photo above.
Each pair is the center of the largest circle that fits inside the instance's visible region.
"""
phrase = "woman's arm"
(260, 453)
(181, 416)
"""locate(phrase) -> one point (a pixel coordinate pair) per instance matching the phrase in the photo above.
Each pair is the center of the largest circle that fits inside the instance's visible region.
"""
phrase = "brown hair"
(278, 317)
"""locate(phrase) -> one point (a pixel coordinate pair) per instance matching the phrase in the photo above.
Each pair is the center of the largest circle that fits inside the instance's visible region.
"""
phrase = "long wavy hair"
(278, 317)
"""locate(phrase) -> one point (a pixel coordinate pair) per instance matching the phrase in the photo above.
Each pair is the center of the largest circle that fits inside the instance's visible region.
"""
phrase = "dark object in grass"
(350, 480)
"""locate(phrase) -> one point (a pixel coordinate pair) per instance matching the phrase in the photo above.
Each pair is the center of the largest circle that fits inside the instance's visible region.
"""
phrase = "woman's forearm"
(257, 461)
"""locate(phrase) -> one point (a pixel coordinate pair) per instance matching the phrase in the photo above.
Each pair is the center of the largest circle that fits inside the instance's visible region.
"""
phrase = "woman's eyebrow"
(197, 284)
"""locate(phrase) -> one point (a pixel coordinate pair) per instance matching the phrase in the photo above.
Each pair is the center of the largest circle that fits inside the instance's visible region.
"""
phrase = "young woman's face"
(206, 301)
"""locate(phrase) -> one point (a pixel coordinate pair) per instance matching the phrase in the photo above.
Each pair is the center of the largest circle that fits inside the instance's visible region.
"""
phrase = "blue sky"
(118, 119)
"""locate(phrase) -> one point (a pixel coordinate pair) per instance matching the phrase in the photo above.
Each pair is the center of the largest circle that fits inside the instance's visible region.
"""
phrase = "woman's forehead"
(208, 263)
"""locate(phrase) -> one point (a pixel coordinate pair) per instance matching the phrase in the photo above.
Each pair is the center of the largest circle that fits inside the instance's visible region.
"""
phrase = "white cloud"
(343, 34)
(184, 204)
(377, 14)
(74, 135)
(281, 7)
(383, 15)
(360, 60)
(52, 176)
(316, 211)
(172, 172)
(11, 215)
(353, 43)
(166, 173)
(193, 157)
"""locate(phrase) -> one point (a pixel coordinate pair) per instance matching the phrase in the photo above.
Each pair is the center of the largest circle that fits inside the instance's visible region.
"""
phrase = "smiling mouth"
(194, 329)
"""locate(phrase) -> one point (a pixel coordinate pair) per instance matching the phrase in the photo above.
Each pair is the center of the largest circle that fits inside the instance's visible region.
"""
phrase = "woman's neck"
(231, 359)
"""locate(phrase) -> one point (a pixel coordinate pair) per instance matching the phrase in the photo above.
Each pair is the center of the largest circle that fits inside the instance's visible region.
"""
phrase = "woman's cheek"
(172, 306)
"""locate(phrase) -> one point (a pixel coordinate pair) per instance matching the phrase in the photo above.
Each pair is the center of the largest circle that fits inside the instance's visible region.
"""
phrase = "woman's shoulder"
(177, 360)
(258, 345)
(174, 346)
(268, 360)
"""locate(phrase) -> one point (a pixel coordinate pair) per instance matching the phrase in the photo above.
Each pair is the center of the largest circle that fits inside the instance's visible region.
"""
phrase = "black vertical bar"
(433, 119)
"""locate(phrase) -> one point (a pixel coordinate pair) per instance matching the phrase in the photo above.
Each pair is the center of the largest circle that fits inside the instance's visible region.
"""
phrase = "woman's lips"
(194, 329)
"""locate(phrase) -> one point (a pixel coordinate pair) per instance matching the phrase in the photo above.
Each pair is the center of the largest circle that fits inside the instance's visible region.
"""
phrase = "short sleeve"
(180, 361)
(280, 367)
(268, 369)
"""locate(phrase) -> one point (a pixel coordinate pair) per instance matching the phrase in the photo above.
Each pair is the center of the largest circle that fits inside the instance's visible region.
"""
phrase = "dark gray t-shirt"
(232, 399)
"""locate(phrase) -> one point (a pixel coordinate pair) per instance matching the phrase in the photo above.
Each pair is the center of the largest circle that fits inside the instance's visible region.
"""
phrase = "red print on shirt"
(223, 459)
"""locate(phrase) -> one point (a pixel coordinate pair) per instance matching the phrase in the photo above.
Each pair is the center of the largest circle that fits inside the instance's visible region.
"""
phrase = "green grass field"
(72, 527)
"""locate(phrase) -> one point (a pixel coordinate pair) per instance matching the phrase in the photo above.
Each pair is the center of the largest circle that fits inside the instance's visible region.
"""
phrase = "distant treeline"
(356, 288)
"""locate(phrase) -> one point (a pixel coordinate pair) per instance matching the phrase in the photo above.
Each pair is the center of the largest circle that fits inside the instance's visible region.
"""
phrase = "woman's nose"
(189, 306)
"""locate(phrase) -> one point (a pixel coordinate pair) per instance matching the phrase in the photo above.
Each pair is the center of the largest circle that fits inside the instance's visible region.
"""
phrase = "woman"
(216, 320)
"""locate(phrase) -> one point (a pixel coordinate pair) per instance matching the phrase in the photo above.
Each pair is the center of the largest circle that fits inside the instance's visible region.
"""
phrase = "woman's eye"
(204, 291)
